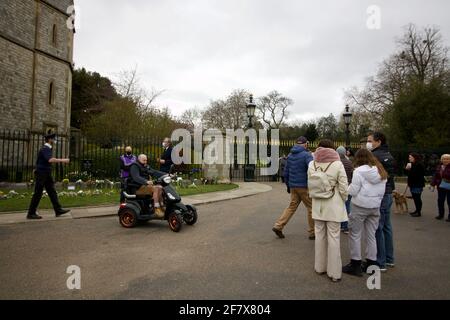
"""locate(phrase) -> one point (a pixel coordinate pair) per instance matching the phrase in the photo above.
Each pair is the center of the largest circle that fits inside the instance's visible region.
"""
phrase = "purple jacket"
(125, 162)
(441, 173)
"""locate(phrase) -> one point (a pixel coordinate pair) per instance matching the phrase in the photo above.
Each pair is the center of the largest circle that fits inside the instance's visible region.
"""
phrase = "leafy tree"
(421, 115)
(90, 92)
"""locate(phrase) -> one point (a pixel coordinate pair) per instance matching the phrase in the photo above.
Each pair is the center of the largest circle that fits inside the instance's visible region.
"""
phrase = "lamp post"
(347, 120)
(249, 169)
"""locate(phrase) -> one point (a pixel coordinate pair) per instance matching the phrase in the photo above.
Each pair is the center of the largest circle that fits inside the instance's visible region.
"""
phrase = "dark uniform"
(44, 179)
(167, 157)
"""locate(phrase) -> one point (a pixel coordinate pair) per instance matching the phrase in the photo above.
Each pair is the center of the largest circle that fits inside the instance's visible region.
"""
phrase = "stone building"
(36, 64)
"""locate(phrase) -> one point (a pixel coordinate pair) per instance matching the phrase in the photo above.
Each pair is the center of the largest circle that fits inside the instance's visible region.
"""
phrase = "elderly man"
(140, 179)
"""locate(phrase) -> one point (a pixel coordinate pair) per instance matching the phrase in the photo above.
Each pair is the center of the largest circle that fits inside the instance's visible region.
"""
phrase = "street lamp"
(249, 169)
(251, 108)
(347, 120)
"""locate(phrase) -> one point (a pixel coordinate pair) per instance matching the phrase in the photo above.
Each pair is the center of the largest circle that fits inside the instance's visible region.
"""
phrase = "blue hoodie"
(296, 171)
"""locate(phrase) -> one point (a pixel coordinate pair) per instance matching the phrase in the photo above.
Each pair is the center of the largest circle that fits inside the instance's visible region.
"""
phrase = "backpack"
(319, 185)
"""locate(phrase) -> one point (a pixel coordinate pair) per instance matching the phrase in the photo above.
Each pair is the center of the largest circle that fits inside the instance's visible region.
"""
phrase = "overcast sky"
(199, 50)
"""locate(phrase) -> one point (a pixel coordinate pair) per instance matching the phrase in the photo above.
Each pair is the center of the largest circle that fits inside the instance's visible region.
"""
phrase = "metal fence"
(92, 159)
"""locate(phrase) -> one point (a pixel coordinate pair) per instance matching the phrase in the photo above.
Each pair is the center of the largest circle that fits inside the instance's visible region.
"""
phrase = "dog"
(401, 203)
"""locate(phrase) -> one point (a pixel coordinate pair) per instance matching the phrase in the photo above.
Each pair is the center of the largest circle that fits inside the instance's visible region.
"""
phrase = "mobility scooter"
(140, 209)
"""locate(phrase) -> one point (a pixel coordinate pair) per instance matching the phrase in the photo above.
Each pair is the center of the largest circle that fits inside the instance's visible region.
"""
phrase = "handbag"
(445, 185)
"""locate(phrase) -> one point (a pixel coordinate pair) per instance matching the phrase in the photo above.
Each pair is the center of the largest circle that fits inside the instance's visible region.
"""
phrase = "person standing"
(126, 160)
(367, 190)
(416, 181)
(44, 179)
(166, 158)
(349, 171)
(441, 180)
(283, 161)
(327, 184)
(296, 179)
(377, 143)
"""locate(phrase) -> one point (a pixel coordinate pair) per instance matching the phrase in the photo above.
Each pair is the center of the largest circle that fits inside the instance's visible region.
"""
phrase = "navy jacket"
(167, 156)
(42, 164)
(387, 160)
(296, 171)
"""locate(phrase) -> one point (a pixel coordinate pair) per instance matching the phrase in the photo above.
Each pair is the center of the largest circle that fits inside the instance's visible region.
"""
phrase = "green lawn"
(108, 197)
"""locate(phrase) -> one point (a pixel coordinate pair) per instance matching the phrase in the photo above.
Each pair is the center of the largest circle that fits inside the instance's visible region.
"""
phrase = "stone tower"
(36, 64)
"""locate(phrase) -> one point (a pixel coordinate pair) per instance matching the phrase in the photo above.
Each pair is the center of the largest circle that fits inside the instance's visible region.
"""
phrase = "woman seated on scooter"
(140, 177)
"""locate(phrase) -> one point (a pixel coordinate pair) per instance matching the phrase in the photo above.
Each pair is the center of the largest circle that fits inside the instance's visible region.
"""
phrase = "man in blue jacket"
(296, 179)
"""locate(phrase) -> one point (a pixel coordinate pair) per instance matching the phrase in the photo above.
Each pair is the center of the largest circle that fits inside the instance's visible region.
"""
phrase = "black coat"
(167, 157)
(387, 160)
(416, 176)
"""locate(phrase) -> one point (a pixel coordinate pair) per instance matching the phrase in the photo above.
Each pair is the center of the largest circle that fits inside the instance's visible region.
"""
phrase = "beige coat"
(332, 209)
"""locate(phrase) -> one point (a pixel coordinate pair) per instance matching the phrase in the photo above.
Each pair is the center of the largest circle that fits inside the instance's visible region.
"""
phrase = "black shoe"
(412, 214)
(279, 233)
(416, 215)
(448, 219)
(439, 218)
(353, 268)
(33, 217)
(312, 237)
(60, 212)
(366, 264)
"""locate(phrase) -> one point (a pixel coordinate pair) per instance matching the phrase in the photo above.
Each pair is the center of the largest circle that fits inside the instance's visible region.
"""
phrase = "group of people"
(342, 195)
(134, 173)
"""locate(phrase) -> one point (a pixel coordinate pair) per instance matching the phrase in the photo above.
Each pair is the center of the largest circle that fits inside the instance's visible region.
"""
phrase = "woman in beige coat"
(328, 212)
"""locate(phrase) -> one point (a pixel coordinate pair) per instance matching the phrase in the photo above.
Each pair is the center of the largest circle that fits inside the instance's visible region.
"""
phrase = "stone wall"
(26, 55)
(18, 19)
(16, 68)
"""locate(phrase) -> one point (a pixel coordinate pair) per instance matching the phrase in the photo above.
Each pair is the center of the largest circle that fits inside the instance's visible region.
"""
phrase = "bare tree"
(272, 109)
(191, 118)
(128, 85)
(421, 57)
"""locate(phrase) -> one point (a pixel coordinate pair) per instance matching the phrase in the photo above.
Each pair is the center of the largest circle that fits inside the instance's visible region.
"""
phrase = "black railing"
(94, 159)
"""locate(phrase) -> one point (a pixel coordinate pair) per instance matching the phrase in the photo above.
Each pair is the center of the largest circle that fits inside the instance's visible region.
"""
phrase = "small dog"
(401, 203)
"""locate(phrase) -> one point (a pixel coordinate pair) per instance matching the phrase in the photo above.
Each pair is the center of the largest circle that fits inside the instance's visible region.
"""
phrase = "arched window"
(51, 94)
(54, 35)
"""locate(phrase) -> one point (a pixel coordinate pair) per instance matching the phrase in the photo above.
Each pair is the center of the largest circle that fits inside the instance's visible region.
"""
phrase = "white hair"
(142, 157)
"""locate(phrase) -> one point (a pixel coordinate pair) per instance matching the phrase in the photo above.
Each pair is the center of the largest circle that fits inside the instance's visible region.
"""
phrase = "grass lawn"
(108, 197)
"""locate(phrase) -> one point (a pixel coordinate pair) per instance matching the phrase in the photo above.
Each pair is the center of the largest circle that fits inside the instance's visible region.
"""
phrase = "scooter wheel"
(128, 218)
(175, 223)
(191, 216)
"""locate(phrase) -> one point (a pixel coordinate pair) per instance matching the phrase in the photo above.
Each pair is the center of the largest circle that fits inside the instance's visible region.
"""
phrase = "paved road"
(230, 254)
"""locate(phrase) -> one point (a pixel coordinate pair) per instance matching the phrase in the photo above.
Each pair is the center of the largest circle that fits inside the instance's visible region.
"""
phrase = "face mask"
(129, 153)
(369, 146)
(163, 145)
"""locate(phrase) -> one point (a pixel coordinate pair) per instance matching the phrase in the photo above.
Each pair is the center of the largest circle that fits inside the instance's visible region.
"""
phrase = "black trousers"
(43, 180)
(442, 195)
(417, 197)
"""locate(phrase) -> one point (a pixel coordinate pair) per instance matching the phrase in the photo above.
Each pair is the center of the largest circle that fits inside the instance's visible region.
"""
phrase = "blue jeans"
(384, 234)
(344, 225)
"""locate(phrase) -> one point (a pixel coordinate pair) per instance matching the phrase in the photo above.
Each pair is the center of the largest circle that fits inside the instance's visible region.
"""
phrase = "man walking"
(377, 143)
(126, 160)
(296, 179)
(43, 175)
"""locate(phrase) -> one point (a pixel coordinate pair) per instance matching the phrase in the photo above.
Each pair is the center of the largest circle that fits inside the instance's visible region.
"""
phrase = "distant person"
(283, 162)
(166, 158)
(44, 179)
(350, 154)
(416, 181)
(126, 160)
(367, 190)
(441, 180)
(327, 184)
(296, 179)
(377, 143)
(349, 172)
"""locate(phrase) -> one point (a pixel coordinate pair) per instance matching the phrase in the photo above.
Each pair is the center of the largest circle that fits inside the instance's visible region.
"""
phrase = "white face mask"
(163, 145)
(369, 146)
